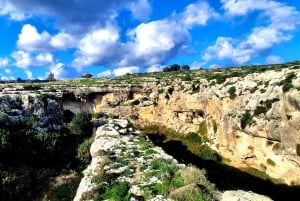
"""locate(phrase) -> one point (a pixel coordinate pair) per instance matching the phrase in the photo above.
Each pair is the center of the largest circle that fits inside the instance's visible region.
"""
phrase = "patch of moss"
(271, 162)
(298, 149)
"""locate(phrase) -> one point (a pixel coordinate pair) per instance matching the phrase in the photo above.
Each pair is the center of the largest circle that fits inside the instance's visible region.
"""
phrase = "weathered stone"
(240, 195)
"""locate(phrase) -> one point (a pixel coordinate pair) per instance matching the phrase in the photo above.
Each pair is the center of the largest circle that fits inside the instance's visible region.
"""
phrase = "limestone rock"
(240, 195)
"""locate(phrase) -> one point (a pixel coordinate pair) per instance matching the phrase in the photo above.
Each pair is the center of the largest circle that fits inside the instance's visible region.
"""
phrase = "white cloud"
(98, 46)
(23, 59)
(282, 19)
(29, 74)
(155, 68)
(63, 41)
(124, 70)
(263, 38)
(196, 65)
(7, 8)
(5, 78)
(7, 70)
(4, 62)
(26, 60)
(141, 9)
(155, 42)
(197, 14)
(272, 59)
(224, 49)
(31, 40)
(44, 59)
(106, 73)
(62, 71)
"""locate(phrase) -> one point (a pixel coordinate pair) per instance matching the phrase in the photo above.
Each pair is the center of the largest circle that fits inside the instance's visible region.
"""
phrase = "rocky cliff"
(45, 109)
(252, 120)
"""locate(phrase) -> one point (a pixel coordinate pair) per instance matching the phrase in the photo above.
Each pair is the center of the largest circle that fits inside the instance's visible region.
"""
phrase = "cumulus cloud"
(282, 19)
(31, 40)
(124, 70)
(73, 16)
(26, 60)
(103, 74)
(6, 78)
(4, 62)
(273, 59)
(155, 68)
(7, 70)
(7, 8)
(29, 74)
(155, 42)
(23, 59)
(99, 46)
(197, 14)
(141, 9)
(62, 71)
(63, 41)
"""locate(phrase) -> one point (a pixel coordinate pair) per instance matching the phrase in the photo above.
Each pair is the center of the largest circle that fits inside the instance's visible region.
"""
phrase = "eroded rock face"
(109, 147)
(240, 195)
(47, 111)
(268, 139)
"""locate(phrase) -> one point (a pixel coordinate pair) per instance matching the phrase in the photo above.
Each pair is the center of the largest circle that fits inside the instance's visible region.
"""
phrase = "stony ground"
(126, 166)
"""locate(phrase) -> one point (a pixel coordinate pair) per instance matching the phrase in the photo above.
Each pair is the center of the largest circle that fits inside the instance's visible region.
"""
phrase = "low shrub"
(231, 92)
(246, 119)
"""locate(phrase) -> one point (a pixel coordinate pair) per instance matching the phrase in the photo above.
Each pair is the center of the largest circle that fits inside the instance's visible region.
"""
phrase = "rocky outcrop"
(46, 110)
(252, 121)
(115, 143)
(240, 195)
(120, 155)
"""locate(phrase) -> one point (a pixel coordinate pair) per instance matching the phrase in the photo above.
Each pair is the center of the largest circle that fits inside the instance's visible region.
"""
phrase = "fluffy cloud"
(7, 8)
(29, 74)
(26, 60)
(155, 68)
(282, 19)
(23, 59)
(63, 41)
(4, 62)
(272, 59)
(99, 46)
(124, 70)
(155, 42)
(8, 71)
(106, 73)
(141, 9)
(5, 78)
(197, 14)
(74, 16)
(31, 40)
(62, 71)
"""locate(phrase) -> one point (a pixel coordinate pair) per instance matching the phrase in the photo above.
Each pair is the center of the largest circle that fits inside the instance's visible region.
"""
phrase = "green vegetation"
(265, 106)
(81, 124)
(231, 92)
(83, 151)
(28, 158)
(215, 126)
(298, 149)
(150, 152)
(271, 162)
(287, 82)
(246, 119)
(195, 142)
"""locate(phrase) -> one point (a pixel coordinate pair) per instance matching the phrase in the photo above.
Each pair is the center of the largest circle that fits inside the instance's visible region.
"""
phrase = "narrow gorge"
(246, 119)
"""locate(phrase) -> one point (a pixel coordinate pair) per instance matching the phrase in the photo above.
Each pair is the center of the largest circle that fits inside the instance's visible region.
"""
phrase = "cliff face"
(252, 121)
(46, 110)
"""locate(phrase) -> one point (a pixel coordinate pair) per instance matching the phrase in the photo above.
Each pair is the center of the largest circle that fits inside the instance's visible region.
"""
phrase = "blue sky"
(110, 37)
